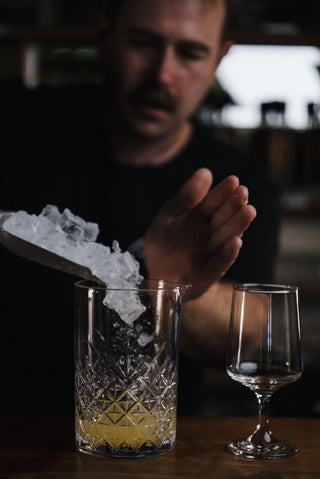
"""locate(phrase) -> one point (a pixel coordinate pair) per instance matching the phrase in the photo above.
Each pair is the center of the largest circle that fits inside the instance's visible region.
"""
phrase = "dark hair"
(230, 15)
(112, 7)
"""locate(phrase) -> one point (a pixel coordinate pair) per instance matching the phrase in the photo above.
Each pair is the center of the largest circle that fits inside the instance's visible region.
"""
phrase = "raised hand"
(196, 237)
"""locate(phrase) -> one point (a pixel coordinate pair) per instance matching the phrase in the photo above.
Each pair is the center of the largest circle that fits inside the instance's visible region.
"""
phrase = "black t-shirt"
(52, 152)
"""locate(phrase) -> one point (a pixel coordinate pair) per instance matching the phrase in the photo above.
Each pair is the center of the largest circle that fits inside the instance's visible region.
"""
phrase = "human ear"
(224, 49)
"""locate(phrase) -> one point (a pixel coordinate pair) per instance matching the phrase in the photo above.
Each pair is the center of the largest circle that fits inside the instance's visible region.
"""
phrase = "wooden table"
(41, 446)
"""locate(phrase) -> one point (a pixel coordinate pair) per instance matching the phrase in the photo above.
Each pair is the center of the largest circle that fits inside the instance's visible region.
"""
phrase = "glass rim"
(165, 286)
(265, 288)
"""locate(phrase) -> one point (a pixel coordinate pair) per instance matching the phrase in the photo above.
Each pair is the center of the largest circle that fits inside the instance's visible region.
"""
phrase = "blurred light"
(30, 69)
(255, 74)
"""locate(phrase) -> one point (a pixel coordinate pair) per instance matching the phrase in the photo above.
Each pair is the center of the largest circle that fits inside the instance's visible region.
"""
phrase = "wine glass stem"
(263, 405)
(263, 434)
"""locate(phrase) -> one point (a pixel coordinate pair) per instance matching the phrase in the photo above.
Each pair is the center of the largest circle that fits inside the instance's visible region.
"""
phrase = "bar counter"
(42, 447)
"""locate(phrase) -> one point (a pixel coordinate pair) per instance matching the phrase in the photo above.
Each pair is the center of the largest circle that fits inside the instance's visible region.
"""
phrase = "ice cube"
(22, 225)
(126, 303)
(76, 228)
(69, 236)
(115, 247)
(97, 257)
(52, 213)
(144, 339)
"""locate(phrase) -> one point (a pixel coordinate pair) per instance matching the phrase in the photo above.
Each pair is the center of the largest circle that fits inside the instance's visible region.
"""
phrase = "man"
(129, 157)
(160, 60)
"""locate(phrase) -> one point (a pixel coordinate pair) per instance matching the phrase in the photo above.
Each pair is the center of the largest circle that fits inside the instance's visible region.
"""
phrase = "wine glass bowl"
(264, 354)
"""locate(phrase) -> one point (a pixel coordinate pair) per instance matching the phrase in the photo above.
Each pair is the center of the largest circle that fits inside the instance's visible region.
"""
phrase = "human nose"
(165, 68)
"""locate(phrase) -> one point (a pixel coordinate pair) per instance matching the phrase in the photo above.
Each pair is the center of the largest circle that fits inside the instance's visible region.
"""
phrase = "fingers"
(236, 200)
(218, 195)
(192, 193)
(234, 227)
(220, 263)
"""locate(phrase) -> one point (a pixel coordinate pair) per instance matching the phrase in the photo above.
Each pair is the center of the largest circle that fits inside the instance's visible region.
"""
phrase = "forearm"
(205, 323)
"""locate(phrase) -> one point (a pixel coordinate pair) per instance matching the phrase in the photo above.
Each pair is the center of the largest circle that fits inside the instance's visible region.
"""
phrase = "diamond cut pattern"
(125, 404)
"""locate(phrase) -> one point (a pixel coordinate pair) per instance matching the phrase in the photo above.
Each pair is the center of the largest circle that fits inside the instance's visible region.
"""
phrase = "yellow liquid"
(117, 429)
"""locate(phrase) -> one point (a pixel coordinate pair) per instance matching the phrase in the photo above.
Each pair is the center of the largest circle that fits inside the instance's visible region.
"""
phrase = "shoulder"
(223, 159)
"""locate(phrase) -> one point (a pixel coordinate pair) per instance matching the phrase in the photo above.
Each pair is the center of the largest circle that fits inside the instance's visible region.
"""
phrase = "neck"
(136, 151)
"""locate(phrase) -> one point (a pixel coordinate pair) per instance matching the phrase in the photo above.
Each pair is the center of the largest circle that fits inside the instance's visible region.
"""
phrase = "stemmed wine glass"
(264, 353)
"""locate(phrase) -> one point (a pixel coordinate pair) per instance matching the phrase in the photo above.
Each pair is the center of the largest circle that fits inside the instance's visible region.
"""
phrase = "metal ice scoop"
(30, 251)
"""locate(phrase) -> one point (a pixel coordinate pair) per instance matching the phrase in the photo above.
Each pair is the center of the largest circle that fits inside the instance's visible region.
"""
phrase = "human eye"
(140, 42)
(191, 52)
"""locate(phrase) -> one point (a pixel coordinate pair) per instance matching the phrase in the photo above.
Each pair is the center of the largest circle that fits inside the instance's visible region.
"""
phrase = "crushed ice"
(69, 236)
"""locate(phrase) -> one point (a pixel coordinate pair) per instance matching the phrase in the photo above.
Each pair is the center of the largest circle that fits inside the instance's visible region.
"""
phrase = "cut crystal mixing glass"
(126, 372)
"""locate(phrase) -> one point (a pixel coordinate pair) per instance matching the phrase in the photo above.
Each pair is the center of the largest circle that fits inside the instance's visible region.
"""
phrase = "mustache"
(154, 95)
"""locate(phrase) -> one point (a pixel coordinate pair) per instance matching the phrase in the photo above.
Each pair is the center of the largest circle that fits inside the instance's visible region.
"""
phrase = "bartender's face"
(160, 58)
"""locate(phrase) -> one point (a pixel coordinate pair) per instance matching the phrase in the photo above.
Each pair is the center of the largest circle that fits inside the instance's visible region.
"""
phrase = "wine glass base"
(273, 450)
